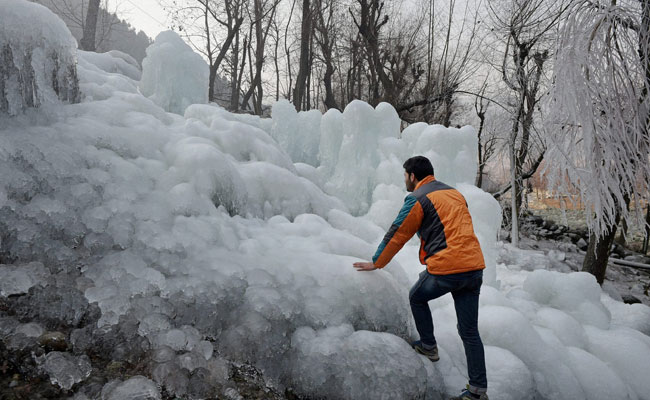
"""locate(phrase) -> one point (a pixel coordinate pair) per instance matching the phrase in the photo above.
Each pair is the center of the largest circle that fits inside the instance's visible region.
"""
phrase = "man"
(438, 214)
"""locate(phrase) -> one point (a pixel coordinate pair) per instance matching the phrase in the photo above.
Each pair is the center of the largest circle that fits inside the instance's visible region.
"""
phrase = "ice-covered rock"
(30, 329)
(337, 362)
(173, 75)
(18, 279)
(65, 370)
(135, 388)
(37, 58)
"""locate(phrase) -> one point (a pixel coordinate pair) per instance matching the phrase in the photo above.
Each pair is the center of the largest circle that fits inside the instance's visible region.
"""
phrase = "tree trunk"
(330, 101)
(277, 66)
(222, 54)
(305, 34)
(600, 246)
(234, 76)
(88, 40)
(646, 239)
(514, 214)
(481, 162)
(598, 254)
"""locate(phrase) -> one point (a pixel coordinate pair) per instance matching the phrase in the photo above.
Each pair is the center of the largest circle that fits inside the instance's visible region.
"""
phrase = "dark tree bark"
(303, 69)
(598, 254)
(646, 239)
(90, 28)
(234, 74)
(325, 40)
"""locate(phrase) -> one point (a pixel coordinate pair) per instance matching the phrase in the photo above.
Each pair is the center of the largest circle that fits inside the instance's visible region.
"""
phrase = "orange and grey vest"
(438, 214)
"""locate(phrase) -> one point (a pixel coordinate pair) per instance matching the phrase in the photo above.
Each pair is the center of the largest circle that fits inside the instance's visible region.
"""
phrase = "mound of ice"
(173, 75)
(577, 293)
(338, 362)
(199, 233)
(115, 62)
(37, 58)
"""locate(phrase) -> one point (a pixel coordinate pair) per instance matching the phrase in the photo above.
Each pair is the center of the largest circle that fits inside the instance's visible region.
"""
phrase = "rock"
(548, 223)
(53, 341)
(177, 383)
(635, 258)
(55, 307)
(114, 367)
(232, 394)
(557, 255)
(31, 329)
(7, 326)
(537, 220)
(582, 244)
(630, 299)
(200, 385)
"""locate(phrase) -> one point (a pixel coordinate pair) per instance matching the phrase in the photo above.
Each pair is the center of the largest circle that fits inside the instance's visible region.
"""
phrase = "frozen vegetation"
(205, 236)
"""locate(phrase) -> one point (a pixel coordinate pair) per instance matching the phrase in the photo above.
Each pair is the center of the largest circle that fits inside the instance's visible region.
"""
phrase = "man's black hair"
(418, 165)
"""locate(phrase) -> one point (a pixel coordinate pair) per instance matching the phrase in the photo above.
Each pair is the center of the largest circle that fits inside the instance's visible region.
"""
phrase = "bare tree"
(263, 13)
(528, 26)
(450, 60)
(601, 97)
(325, 35)
(487, 141)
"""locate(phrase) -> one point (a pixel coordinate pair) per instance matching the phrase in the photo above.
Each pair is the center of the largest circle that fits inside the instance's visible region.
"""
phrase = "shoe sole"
(432, 358)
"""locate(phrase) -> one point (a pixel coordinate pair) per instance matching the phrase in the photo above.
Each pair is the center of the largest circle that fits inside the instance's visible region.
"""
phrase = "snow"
(173, 75)
(233, 236)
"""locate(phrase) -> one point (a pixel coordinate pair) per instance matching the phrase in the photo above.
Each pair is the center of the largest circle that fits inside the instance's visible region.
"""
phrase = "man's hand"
(364, 266)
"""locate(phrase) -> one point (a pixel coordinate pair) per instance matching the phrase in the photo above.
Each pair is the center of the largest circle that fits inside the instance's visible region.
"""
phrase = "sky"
(145, 15)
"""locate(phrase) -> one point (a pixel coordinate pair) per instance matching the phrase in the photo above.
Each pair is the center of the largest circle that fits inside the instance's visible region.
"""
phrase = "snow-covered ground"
(225, 235)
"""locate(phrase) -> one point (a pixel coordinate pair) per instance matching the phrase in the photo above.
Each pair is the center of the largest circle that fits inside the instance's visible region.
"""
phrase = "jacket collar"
(425, 180)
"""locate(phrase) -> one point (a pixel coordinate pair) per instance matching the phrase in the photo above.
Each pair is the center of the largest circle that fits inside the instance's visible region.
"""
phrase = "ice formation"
(173, 75)
(217, 235)
(65, 370)
(37, 58)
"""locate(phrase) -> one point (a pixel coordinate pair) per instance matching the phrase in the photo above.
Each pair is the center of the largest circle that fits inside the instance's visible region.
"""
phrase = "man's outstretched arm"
(403, 228)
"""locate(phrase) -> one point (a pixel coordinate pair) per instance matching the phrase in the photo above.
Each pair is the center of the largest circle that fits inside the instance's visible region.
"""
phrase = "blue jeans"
(465, 288)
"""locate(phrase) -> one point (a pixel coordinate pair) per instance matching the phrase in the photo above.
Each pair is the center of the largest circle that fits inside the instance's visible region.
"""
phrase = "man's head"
(415, 169)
